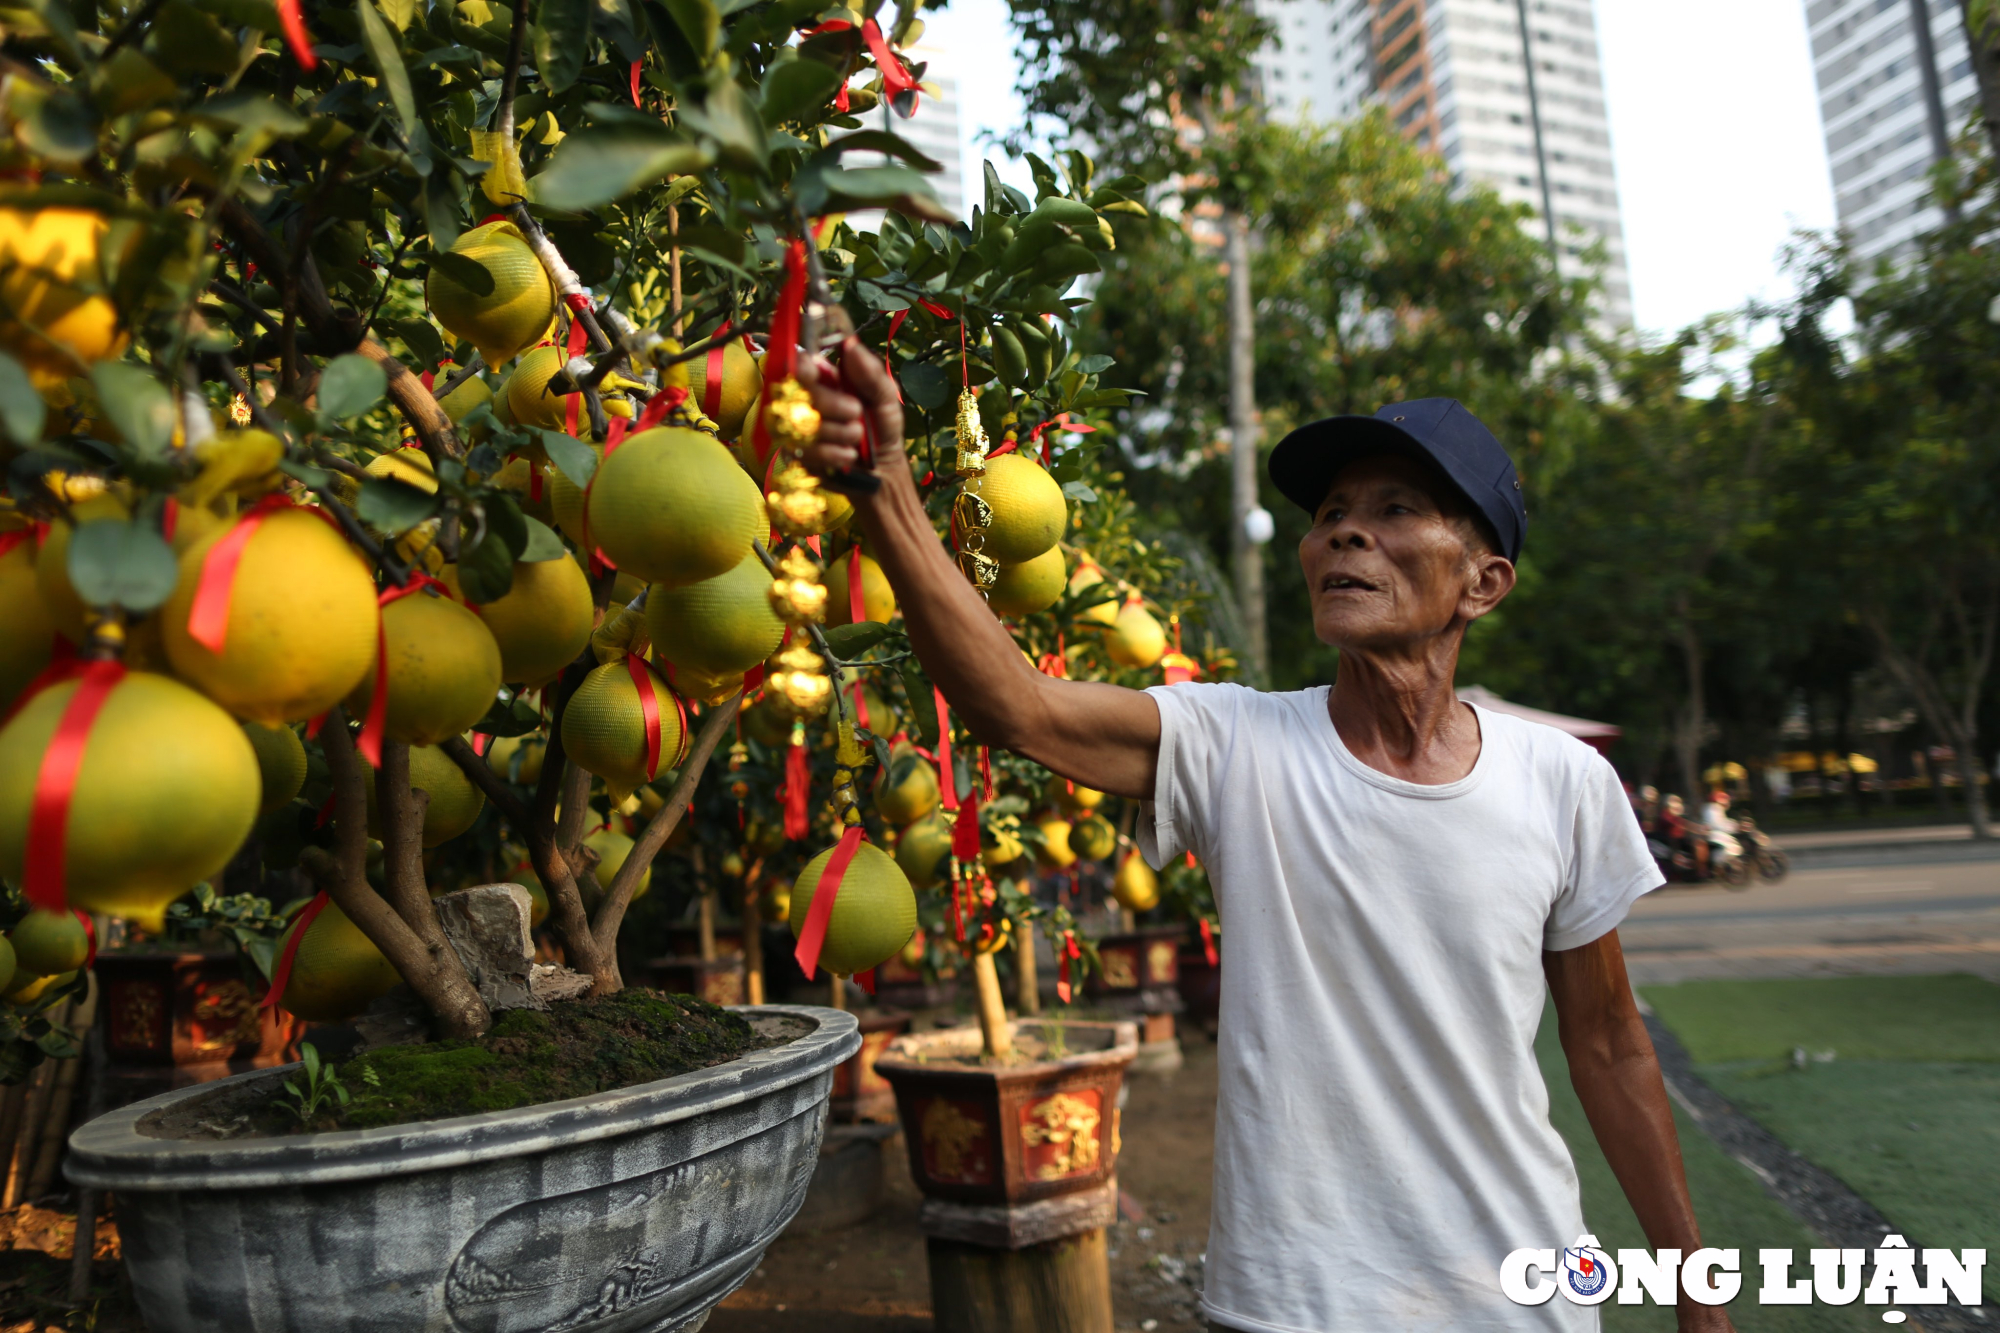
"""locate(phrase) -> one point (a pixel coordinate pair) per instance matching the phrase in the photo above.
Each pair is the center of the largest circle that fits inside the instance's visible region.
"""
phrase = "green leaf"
(421, 337)
(882, 141)
(899, 188)
(729, 117)
(439, 202)
(509, 717)
(187, 41)
(699, 22)
(59, 1044)
(796, 88)
(572, 457)
(850, 641)
(393, 506)
(595, 166)
(543, 543)
(350, 385)
(505, 520)
(562, 41)
(486, 571)
(389, 61)
(1095, 365)
(21, 408)
(129, 81)
(138, 405)
(1077, 490)
(52, 123)
(399, 12)
(925, 385)
(923, 711)
(250, 111)
(467, 273)
(122, 562)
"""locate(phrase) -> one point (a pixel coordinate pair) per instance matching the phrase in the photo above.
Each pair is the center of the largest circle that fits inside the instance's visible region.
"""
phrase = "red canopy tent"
(1599, 735)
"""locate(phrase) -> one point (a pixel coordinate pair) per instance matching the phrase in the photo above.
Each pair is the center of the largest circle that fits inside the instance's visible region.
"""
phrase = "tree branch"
(492, 784)
(552, 862)
(611, 913)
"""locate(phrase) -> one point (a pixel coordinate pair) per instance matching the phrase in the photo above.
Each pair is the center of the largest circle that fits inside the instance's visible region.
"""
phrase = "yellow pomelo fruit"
(444, 670)
(23, 987)
(1135, 885)
(1080, 798)
(528, 400)
(604, 729)
(50, 271)
(1087, 576)
(1029, 512)
(510, 318)
(30, 633)
(1055, 851)
(409, 465)
(718, 627)
(566, 503)
(464, 398)
(500, 758)
(337, 971)
(1092, 837)
(52, 564)
(702, 688)
(775, 902)
(1136, 639)
(741, 383)
(455, 802)
(194, 524)
(7, 968)
(166, 793)
(281, 760)
(302, 622)
(764, 724)
(612, 847)
(1002, 844)
(909, 790)
(878, 599)
(542, 623)
(46, 943)
(874, 914)
(1031, 586)
(519, 478)
(670, 506)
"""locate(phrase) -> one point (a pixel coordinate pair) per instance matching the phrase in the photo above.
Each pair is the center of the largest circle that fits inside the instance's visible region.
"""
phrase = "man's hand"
(860, 389)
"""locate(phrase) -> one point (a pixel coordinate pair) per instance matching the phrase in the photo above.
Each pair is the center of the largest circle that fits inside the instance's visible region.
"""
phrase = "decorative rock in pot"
(636, 1209)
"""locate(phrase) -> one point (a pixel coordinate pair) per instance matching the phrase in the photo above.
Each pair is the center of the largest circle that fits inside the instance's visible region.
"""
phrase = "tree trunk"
(1957, 727)
(1058, 1286)
(993, 1024)
(1693, 720)
(1246, 557)
(1027, 983)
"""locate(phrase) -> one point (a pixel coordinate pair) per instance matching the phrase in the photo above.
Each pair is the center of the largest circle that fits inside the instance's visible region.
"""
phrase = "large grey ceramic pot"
(627, 1211)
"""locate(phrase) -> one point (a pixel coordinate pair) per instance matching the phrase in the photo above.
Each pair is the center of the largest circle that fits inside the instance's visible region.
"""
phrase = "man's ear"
(1489, 579)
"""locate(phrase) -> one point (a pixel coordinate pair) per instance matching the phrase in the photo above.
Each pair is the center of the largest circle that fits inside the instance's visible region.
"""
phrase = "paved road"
(1914, 915)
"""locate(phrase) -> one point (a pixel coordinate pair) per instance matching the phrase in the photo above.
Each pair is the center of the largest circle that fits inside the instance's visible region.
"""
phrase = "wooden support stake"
(707, 925)
(1059, 1286)
(753, 945)
(836, 994)
(1027, 983)
(55, 1128)
(993, 1024)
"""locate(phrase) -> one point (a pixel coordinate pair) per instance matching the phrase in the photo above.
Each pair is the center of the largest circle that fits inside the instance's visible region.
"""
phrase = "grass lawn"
(1732, 1206)
(1907, 1109)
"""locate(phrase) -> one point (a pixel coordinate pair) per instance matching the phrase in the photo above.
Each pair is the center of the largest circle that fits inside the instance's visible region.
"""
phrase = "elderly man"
(1398, 874)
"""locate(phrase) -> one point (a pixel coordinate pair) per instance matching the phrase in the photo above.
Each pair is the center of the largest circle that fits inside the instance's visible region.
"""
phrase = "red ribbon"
(1068, 951)
(947, 779)
(90, 934)
(1208, 941)
(857, 609)
(1060, 421)
(281, 975)
(370, 740)
(986, 773)
(296, 37)
(44, 875)
(652, 414)
(861, 707)
(649, 708)
(711, 384)
(814, 935)
(635, 82)
(798, 780)
(170, 518)
(781, 348)
(208, 614)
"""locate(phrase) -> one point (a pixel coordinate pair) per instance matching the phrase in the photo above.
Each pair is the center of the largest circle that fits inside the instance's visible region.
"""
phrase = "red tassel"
(813, 936)
(635, 82)
(965, 832)
(1208, 941)
(798, 777)
(986, 774)
(947, 779)
(281, 975)
(44, 876)
(293, 20)
(1064, 955)
(865, 980)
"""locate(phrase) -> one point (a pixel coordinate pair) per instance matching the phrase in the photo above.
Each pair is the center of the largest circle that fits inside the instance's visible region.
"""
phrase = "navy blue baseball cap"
(1305, 462)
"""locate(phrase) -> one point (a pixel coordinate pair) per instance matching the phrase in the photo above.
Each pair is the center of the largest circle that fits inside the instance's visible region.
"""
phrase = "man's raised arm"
(1102, 736)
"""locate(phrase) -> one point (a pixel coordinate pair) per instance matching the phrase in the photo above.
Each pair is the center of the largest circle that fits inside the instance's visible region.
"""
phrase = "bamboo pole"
(993, 1024)
(836, 994)
(1028, 984)
(62, 1103)
(753, 942)
(706, 918)
(28, 1137)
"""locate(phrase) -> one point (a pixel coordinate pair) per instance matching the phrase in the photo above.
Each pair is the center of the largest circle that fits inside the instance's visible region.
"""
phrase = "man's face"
(1386, 563)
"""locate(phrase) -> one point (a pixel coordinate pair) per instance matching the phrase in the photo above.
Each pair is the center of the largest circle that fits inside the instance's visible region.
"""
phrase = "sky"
(1715, 139)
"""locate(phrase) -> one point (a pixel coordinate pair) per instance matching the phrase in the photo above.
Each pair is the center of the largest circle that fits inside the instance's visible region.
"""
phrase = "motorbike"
(1764, 857)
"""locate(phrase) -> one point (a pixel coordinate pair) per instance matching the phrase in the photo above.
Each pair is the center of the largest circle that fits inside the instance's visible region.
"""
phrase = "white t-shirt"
(1382, 1136)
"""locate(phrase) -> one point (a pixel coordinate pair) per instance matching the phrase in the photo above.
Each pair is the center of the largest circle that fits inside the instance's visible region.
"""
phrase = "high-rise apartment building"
(1895, 84)
(934, 131)
(1508, 92)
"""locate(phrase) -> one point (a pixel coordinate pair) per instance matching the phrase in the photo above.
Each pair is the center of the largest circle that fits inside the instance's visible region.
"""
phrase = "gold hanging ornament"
(797, 596)
(790, 418)
(795, 502)
(970, 513)
(797, 685)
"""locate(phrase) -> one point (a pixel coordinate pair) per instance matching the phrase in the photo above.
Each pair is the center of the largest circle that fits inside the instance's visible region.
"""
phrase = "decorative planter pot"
(859, 1093)
(1144, 960)
(176, 1019)
(1011, 1134)
(626, 1211)
(717, 980)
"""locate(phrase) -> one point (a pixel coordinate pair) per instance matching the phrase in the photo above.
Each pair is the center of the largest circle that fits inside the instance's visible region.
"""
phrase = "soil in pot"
(576, 1048)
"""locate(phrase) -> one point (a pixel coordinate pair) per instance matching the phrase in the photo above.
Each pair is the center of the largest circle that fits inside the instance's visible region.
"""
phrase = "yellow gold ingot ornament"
(797, 686)
(797, 595)
(971, 432)
(789, 417)
(970, 513)
(796, 504)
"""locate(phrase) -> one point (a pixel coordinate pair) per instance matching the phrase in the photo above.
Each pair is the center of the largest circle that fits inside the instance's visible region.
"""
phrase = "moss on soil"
(530, 1057)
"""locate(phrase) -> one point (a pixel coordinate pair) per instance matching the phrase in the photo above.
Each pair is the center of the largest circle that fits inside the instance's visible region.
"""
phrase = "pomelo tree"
(384, 382)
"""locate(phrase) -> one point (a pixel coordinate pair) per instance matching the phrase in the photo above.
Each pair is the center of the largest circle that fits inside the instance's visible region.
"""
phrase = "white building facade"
(1895, 85)
(1521, 112)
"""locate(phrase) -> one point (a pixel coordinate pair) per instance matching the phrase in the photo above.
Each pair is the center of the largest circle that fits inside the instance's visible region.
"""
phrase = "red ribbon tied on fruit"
(44, 875)
(281, 975)
(813, 937)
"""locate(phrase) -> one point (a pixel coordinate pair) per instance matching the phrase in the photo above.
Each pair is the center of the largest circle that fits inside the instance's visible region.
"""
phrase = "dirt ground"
(872, 1278)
